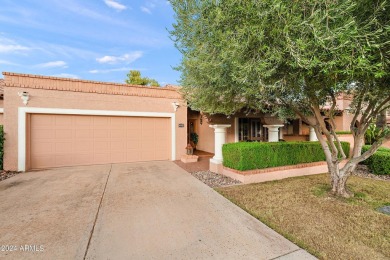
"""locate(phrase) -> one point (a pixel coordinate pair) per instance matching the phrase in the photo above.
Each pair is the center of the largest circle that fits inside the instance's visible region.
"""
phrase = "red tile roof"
(88, 86)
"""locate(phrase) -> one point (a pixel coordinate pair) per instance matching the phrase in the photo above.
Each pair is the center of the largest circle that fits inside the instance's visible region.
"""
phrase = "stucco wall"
(45, 98)
(207, 136)
(349, 138)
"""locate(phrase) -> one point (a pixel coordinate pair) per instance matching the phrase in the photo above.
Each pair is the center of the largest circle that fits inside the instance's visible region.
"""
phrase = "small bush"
(379, 162)
(1, 146)
(250, 156)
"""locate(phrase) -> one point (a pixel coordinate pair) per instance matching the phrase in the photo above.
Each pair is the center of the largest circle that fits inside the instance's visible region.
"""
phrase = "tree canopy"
(291, 58)
(134, 77)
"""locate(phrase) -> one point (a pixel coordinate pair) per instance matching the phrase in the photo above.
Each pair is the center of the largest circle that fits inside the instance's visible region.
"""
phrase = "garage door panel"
(43, 134)
(82, 158)
(83, 122)
(63, 121)
(66, 140)
(64, 147)
(118, 133)
(84, 134)
(63, 159)
(133, 155)
(118, 146)
(160, 135)
(44, 122)
(133, 132)
(118, 122)
(100, 147)
(43, 161)
(44, 148)
(161, 155)
(64, 133)
(83, 146)
(147, 124)
(102, 158)
(101, 133)
(133, 123)
(147, 156)
(134, 141)
(118, 157)
(101, 122)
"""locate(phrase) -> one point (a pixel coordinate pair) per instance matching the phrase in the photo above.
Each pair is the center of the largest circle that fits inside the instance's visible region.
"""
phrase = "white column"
(312, 135)
(220, 139)
(273, 132)
(281, 132)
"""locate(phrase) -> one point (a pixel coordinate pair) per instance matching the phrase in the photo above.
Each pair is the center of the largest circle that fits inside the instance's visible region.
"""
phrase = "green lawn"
(302, 210)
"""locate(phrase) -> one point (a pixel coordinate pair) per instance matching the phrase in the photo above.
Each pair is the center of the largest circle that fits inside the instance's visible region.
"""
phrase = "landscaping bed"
(379, 162)
(214, 180)
(302, 210)
(7, 174)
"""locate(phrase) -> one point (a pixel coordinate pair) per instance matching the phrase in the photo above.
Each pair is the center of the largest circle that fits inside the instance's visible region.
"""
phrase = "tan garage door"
(67, 140)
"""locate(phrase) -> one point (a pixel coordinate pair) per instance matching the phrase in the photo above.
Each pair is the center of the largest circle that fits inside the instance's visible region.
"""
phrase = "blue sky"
(88, 39)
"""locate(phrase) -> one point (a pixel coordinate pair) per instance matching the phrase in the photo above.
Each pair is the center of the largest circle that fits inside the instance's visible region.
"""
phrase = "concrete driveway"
(151, 210)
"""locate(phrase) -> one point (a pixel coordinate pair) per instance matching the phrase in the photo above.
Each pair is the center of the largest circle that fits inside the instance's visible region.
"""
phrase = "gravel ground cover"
(363, 171)
(7, 174)
(214, 180)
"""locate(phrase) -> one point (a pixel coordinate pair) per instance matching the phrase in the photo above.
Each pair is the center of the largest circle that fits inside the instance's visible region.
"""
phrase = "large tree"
(292, 58)
(134, 77)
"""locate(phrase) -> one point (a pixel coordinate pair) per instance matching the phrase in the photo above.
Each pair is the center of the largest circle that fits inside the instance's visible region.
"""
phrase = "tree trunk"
(339, 179)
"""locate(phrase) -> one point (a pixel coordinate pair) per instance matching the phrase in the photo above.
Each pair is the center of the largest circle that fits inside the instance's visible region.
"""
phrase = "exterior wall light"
(25, 96)
(175, 105)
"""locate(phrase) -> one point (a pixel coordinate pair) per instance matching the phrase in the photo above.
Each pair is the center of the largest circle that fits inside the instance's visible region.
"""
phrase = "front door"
(251, 129)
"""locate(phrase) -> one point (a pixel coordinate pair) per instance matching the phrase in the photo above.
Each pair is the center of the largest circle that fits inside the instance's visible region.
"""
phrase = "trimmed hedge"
(379, 162)
(343, 132)
(259, 155)
(1, 146)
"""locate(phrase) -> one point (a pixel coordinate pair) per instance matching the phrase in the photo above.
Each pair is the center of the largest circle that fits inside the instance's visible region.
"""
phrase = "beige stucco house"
(54, 122)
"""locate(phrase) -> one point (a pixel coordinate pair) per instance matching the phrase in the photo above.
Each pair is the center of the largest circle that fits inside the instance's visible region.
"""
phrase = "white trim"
(236, 129)
(2, 110)
(23, 111)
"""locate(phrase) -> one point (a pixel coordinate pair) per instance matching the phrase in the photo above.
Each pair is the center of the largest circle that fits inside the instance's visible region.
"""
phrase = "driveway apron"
(50, 214)
(156, 210)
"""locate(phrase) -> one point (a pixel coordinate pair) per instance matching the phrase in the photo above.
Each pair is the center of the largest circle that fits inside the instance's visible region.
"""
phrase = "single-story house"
(54, 122)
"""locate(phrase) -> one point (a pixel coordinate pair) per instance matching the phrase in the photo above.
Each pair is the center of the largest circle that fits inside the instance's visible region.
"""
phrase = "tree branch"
(374, 147)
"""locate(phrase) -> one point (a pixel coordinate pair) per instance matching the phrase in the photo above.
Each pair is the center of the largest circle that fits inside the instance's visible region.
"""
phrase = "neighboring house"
(53, 122)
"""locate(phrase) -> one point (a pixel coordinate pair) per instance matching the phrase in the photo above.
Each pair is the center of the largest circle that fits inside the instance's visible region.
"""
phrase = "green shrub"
(379, 162)
(1, 146)
(249, 156)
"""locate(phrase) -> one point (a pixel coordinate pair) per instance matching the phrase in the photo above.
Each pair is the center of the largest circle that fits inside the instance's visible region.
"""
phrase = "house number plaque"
(181, 125)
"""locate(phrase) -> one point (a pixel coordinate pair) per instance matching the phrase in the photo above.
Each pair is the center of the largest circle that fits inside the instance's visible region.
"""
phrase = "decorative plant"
(194, 138)
(374, 133)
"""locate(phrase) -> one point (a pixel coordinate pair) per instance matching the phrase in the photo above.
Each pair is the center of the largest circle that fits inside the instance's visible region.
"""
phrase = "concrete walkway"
(151, 210)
